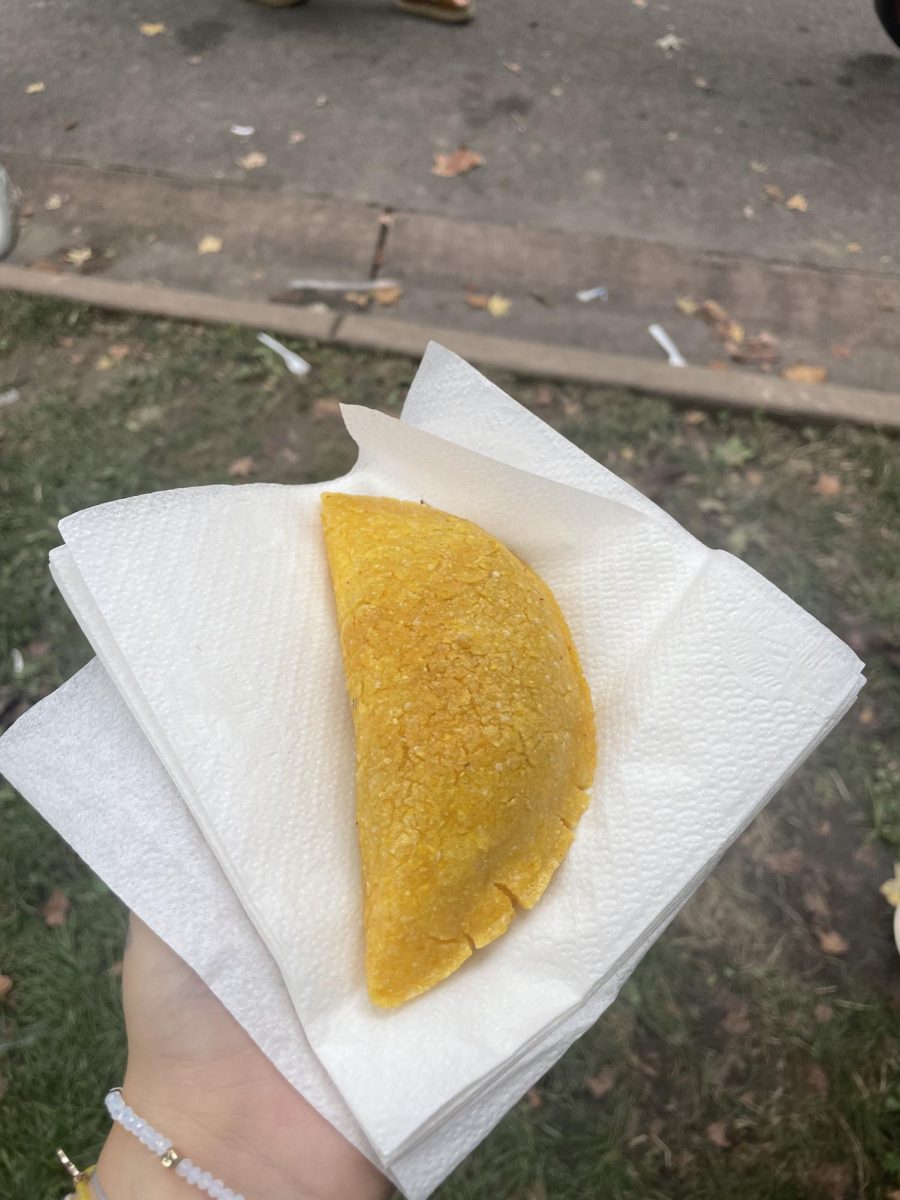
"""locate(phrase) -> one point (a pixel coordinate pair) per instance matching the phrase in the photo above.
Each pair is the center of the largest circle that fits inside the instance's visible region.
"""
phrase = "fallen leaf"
(514, 67)
(866, 715)
(360, 299)
(601, 1083)
(534, 1098)
(627, 454)
(827, 485)
(295, 137)
(823, 1013)
(774, 192)
(45, 264)
(52, 203)
(754, 478)
(854, 248)
(32, 89)
(326, 409)
(498, 306)
(694, 416)
(832, 942)
(786, 862)
(670, 43)
(816, 904)
(762, 348)
(78, 257)
(56, 909)
(253, 160)
(759, 167)
(242, 468)
(805, 373)
(152, 28)
(209, 244)
(833, 1181)
(891, 888)
(734, 333)
(118, 351)
(459, 162)
(701, 83)
(841, 350)
(5, 986)
(797, 203)
(147, 414)
(713, 312)
(686, 305)
(387, 295)
(104, 363)
(717, 1134)
(733, 452)
(817, 1079)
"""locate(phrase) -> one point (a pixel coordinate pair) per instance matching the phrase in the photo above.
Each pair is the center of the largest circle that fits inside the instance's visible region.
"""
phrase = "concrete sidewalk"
(609, 159)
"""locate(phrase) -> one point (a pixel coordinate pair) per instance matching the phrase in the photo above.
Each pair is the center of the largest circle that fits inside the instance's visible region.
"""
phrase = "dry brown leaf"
(104, 363)
(816, 904)
(686, 305)
(786, 862)
(252, 161)
(388, 295)
(866, 715)
(459, 162)
(45, 264)
(78, 256)
(56, 909)
(827, 485)
(326, 409)
(762, 348)
(714, 313)
(797, 203)
(717, 364)
(534, 1098)
(32, 89)
(833, 1181)
(717, 1134)
(514, 67)
(242, 468)
(295, 137)
(832, 942)
(152, 28)
(694, 416)
(841, 350)
(477, 299)
(802, 372)
(601, 1083)
(754, 478)
(854, 248)
(118, 351)
(774, 192)
(5, 986)
(823, 1013)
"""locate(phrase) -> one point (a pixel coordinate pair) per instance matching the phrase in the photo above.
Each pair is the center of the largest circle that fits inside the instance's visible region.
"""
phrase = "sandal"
(453, 12)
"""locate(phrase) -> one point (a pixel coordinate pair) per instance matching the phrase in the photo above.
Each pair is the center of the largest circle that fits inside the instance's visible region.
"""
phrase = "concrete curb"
(732, 389)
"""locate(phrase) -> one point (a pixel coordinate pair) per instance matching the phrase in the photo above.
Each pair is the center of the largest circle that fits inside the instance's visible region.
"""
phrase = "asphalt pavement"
(762, 131)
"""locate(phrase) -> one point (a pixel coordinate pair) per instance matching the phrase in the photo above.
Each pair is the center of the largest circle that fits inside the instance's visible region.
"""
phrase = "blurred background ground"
(742, 153)
(756, 1051)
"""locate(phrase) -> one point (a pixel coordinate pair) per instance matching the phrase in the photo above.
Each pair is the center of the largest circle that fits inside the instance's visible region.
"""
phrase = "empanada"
(475, 737)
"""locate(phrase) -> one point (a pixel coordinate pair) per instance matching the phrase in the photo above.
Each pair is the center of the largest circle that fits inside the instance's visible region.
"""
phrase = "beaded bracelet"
(162, 1147)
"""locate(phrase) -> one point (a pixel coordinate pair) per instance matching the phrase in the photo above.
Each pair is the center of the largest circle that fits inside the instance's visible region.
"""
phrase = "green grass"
(721, 1035)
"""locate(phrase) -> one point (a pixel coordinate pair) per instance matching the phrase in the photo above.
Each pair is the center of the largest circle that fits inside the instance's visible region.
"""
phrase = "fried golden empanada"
(475, 737)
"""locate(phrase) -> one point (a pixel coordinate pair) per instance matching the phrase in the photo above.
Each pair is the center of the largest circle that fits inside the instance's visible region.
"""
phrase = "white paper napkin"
(211, 609)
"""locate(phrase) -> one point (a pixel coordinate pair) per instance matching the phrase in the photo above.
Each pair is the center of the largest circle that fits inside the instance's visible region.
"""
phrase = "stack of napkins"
(205, 769)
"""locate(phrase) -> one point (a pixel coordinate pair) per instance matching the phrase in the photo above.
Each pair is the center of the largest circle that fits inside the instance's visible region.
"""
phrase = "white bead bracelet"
(162, 1147)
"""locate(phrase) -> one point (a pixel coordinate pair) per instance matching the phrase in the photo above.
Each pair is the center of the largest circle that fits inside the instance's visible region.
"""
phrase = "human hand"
(195, 1075)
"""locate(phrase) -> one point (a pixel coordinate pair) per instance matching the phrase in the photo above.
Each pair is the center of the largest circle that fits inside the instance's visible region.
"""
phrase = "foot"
(453, 12)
